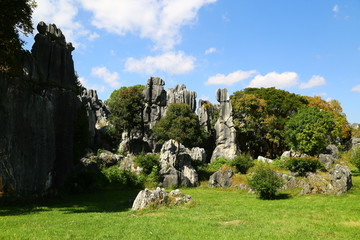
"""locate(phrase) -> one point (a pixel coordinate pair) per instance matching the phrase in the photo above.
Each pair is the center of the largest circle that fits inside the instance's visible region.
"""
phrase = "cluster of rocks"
(221, 178)
(159, 197)
(175, 164)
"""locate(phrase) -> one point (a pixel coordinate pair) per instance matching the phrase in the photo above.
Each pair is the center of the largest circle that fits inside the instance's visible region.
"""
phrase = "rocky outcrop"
(158, 197)
(222, 178)
(155, 101)
(175, 164)
(38, 113)
(204, 112)
(338, 181)
(225, 132)
(97, 114)
(180, 94)
(264, 159)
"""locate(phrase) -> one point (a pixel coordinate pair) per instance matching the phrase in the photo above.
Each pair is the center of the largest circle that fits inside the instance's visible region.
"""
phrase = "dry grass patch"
(233, 223)
(351, 224)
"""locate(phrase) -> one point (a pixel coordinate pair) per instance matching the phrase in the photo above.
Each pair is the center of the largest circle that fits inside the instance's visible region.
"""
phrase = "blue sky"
(307, 47)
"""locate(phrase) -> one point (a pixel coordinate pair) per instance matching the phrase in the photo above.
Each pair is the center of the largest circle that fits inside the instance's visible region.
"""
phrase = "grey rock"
(327, 159)
(314, 183)
(340, 179)
(37, 114)
(197, 154)
(292, 153)
(127, 163)
(180, 94)
(204, 114)
(264, 159)
(175, 166)
(179, 197)
(225, 132)
(222, 178)
(333, 150)
(355, 143)
(146, 198)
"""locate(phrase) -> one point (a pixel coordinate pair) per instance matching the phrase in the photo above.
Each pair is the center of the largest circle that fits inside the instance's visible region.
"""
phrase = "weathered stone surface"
(38, 114)
(180, 94)
(222, 178)
(127, 163)
(291, 153)
(340, 179)
(355, 143)
(175, 164)
(146, 197)
(264, 159)
(224, 128)
(327, 159)
(333, 150)
(204, 114)
(197, 154)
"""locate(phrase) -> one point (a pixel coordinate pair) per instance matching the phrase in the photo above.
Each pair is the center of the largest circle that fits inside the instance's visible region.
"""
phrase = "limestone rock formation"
(155, 101)
(204, 114)
(225, 132)
(221, 178)
(175, 166)
(146, 197)
(340, 179)
(180, 94)
(38, 113)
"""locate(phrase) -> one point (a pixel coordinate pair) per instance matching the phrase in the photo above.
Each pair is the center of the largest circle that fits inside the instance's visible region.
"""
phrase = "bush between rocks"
(302, 165)
(265, 181)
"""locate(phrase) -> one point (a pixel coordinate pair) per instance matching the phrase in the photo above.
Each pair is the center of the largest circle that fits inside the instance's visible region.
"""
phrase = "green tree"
(180, 124)
(310, 130)
(126, 107)
(15, 17)
(260, 115)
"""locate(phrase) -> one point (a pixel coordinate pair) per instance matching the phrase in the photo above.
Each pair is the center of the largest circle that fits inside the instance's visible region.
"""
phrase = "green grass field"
(214, 214)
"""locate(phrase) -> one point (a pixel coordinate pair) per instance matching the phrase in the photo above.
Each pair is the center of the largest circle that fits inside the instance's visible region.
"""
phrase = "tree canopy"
(126, 106)
(180, 124)
(310, 130)
(260, 115)
(15, 17)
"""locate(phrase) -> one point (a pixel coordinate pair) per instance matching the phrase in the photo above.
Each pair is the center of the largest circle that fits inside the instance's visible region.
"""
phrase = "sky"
(307, 47)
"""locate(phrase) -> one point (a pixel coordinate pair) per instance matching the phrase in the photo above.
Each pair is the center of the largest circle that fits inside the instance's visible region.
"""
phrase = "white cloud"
(85, 83)
(170, 62)
(336, 8)
(274, 79)
(111, 78)
(315, 81)
(158, 20)
(210, 50)
(356, 88)
(63, 13)
(231, 78)
(93, 36)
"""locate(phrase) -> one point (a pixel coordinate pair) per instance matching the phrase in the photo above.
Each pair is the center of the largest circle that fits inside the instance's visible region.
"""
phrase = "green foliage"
(355, 157)
(310, 130)
(15, 17)
(279, 163)
(265, 181)
(121, 178)
(302, 165)
(260, 115)
(180, 124)
(126, 107)
(218, 163)
(87, 181)
(147, 162)
(242, 163)
(152, 180)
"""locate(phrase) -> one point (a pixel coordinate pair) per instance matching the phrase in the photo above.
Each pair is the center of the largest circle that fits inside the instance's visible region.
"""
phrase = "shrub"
(355, 157)
(122, 178)
(86, 181)
(265, 181)
(242, 163)
(147, 162)
(217, 163)
(279, 163)
(302, 165)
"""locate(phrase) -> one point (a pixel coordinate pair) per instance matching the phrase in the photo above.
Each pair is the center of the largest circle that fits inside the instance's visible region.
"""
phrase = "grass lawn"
(214, 214)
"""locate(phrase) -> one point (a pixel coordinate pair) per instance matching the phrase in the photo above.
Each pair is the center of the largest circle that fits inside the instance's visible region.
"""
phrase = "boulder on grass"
(146, 197)
(222, 178)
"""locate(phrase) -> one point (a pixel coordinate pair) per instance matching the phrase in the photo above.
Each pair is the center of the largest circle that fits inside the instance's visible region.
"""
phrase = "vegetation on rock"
(303, 165)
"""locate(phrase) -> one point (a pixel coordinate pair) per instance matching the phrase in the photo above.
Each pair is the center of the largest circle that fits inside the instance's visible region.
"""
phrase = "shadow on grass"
(355, 173)
(109, 200)
(282, 196)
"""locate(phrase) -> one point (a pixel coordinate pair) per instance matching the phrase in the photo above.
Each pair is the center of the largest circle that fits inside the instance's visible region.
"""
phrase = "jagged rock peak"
(54, 34)
(180, 94)
(154, 92)
(222, 95)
